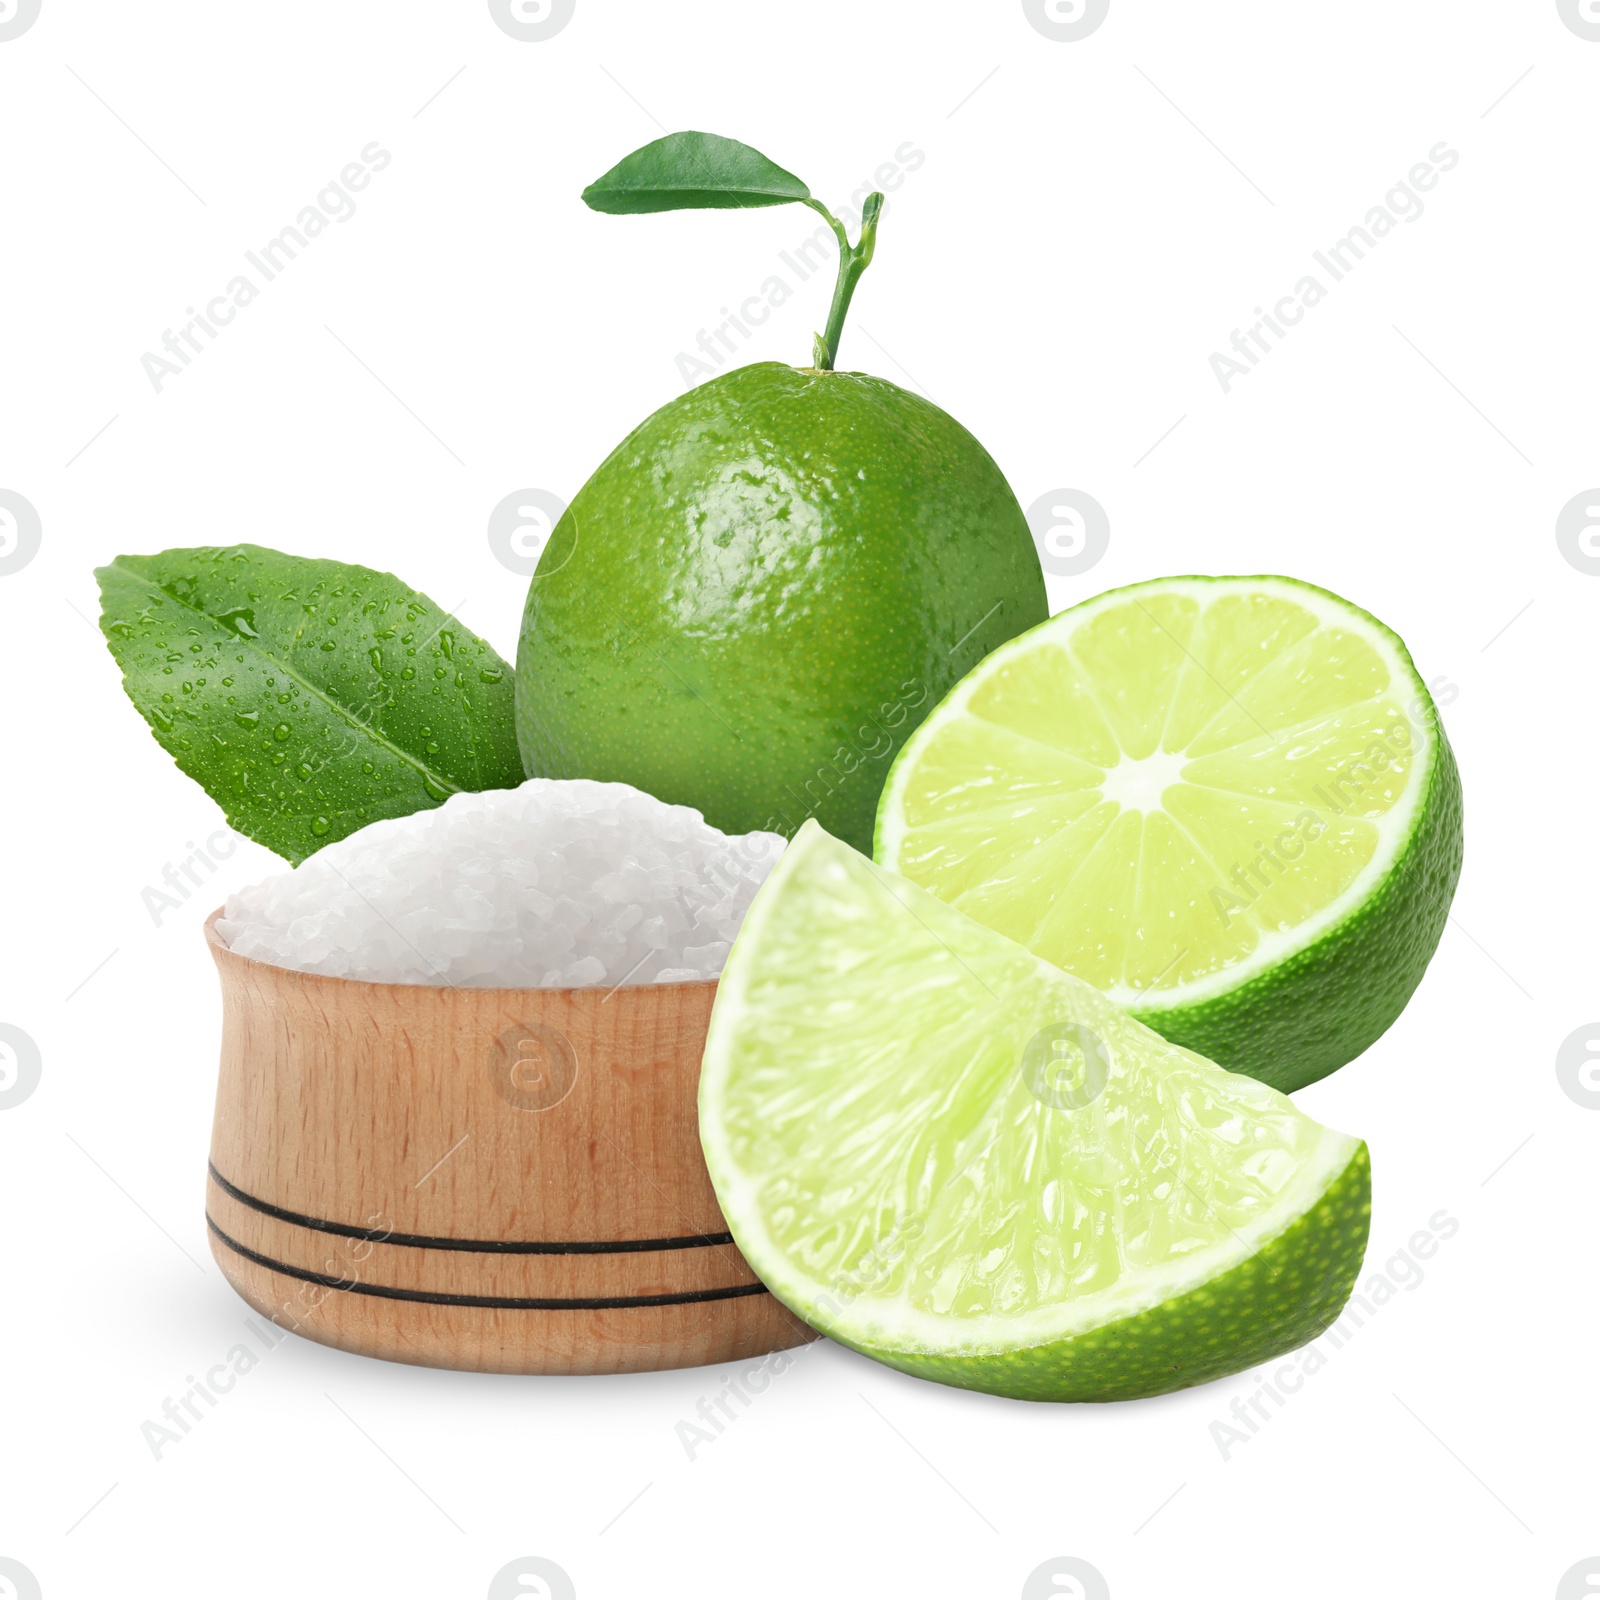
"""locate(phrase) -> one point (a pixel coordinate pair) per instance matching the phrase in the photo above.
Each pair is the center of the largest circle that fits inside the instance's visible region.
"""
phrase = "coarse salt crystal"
(556, 882)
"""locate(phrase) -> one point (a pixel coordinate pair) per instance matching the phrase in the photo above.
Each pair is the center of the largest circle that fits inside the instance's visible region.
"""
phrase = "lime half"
(1227, 803)
(960, 1160)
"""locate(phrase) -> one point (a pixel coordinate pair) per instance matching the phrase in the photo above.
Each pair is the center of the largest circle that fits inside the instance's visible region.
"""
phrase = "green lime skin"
(762, 591)
(1324, 1005)
(1282, 1297)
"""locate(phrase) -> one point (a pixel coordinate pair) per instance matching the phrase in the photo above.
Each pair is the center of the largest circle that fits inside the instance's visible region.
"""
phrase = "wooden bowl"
(499, 1180)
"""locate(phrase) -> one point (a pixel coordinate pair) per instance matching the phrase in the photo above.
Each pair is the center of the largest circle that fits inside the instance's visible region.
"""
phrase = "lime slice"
(1227, 803)
(960, 1160)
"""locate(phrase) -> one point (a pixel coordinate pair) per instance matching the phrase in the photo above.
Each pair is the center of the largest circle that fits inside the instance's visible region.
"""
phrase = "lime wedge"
(960, 1160)
(1227, 803)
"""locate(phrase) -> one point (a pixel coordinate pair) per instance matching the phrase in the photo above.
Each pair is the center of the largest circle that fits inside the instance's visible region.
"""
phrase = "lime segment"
(960, 1159)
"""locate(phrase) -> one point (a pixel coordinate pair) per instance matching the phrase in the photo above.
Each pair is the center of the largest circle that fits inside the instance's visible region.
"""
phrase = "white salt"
(553, 883)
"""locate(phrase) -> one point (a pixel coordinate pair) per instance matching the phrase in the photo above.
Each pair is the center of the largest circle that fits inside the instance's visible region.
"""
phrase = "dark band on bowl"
(621, 1302)
(503, 1247)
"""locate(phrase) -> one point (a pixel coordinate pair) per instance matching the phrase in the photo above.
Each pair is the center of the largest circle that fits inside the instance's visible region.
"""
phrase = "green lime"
(762, 591)
(1228, 803)
(961, 1160)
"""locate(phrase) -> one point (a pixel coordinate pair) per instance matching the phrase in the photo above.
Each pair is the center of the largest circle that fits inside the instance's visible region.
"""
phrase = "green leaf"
(692, 171)
(308, 698)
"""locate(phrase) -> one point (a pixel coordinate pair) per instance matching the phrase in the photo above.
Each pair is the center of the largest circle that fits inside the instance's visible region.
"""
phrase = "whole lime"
(762, 591)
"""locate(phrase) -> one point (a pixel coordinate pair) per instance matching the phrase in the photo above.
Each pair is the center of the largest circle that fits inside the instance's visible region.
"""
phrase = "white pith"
(1139, 785)
(1139, 781)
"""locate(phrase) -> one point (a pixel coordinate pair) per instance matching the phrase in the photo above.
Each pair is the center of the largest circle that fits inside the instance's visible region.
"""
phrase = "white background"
(1057, 274)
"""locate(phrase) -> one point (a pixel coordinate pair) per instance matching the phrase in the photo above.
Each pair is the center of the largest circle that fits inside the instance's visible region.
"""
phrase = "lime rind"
(1330, 1001)
(1281, 1298)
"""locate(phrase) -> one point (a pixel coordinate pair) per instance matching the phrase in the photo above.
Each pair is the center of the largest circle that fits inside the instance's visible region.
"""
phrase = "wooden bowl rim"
(222, 951)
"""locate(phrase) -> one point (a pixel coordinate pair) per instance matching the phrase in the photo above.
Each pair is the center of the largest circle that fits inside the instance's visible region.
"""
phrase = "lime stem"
(853, 261)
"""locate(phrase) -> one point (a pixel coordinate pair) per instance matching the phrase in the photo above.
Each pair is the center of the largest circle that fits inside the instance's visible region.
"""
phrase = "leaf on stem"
(693, 171)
